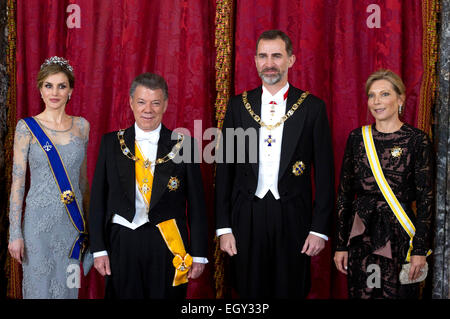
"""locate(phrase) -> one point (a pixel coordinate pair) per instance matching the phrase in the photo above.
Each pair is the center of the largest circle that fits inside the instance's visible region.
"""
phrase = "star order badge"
(298, 168)
(173, 184)
(396, 151)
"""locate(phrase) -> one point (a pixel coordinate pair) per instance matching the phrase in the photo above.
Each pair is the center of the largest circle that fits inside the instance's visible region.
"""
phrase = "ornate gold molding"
(13, 268)
(430, 9)
(223, 65)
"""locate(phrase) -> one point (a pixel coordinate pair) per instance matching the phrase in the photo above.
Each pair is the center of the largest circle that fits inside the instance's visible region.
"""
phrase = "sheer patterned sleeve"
(345, 196)
(423, 176)
(22, 139)
(84, 182)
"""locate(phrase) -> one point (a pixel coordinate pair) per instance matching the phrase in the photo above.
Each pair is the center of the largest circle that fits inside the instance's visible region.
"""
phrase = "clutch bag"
(404, 274)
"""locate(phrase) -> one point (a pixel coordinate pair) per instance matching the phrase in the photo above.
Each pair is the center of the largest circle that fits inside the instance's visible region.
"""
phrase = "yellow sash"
(386, 190)
(144, 176)
(182, 260)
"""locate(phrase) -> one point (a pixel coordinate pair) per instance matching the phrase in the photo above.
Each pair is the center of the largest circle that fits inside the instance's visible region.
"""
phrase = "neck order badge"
(144, 176)
(257, 118)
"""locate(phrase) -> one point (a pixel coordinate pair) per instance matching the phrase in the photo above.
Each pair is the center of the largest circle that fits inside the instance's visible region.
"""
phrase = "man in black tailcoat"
(265, 215)
(143, 200)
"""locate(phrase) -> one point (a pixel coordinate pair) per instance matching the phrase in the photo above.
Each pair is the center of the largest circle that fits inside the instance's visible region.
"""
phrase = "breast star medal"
(298, 168)
(396, 151)
(173, 184)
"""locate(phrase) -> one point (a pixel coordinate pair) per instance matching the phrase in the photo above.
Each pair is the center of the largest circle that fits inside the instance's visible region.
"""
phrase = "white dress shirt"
(148, 144)
(273, 107)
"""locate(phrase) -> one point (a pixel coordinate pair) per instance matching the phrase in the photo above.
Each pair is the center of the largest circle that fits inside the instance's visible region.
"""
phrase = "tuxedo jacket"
(114, 192)
(306, 138)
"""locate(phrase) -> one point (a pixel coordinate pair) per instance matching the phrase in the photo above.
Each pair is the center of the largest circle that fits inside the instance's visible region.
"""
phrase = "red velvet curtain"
(116, 40)
(336, 51)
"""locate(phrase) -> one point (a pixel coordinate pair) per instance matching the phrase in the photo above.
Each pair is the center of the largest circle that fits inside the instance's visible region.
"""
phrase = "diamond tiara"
(57, 60)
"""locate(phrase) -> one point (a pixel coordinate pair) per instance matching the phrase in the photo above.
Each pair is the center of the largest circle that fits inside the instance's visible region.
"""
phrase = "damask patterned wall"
(441, 270)
(3, 132)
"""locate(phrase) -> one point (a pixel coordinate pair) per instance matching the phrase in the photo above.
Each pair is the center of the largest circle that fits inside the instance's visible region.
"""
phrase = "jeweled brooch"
(67, 197)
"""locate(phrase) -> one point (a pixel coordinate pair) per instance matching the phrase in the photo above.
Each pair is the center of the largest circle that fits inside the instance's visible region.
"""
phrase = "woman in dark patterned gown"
(370, 240)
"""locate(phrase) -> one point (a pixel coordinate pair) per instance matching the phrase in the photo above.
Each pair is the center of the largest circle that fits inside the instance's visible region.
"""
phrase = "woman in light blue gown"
(42, 239)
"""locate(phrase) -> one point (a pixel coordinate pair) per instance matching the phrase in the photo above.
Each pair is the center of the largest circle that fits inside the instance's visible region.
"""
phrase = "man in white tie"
(140, 193)
(264, 210)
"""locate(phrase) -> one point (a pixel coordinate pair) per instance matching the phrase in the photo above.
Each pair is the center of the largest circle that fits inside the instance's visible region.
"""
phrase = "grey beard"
(270, 80)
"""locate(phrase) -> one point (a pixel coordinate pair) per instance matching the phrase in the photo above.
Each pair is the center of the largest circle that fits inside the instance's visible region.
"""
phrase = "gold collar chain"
(283, 118)
(127, 152)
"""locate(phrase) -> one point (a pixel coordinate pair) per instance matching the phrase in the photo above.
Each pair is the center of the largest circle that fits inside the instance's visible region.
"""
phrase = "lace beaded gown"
(366, 227)
(46, 229)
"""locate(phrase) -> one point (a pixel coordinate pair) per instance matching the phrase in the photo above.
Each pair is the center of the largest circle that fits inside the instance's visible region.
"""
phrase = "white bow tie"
(151, 138)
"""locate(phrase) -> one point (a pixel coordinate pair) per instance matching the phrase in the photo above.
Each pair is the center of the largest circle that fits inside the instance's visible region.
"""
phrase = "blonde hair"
(388, 75)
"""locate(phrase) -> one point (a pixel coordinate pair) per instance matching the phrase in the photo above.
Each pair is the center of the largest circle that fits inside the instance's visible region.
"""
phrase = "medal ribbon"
(144, 176)
(182, 260)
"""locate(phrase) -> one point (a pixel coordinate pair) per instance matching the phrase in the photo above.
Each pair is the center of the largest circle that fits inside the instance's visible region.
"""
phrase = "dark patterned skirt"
(376, 253)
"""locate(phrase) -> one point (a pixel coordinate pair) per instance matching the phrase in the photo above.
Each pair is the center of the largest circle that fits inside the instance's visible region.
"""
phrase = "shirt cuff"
(100, 253)
(223, 231)
(200, 260)
(319, 235)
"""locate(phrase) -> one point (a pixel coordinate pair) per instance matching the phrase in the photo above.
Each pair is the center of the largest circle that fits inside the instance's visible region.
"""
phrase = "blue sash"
(65, 187)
